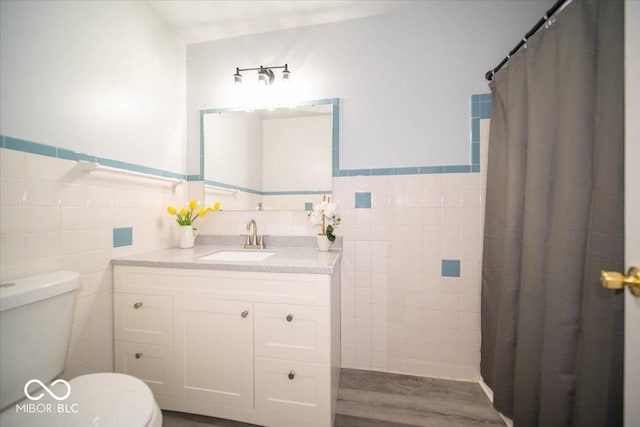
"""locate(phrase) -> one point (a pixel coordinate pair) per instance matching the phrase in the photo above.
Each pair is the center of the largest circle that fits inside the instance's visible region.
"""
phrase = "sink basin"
(237, 256)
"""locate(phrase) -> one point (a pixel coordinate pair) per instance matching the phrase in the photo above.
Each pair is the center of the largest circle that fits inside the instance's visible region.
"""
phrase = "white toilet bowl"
(100, 400)
(35, 326)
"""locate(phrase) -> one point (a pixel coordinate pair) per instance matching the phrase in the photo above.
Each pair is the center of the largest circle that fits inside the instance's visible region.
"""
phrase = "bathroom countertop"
(286, 259)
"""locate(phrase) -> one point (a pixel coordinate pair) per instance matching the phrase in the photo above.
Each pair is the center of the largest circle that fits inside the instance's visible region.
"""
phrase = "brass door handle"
(615, 280)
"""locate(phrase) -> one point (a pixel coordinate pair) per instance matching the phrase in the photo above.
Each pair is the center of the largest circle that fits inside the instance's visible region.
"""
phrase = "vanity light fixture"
(266, 75)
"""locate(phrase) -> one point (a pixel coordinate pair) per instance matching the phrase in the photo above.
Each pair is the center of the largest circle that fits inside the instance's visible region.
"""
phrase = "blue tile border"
(265, 193)
(451, 268)
(25, 146)
(122, 237)
(363, 200)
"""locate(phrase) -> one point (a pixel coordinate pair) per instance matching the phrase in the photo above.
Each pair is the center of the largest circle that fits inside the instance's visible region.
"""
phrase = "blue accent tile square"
(359, 172)
(475, 130)
(451, 268)
(308, 206)
(407, 171)
(122, 237)
(475, 98)
(485, 97)
(475, 109)
(432, 169)
(475, 153)
(457, 168)
(363, 200)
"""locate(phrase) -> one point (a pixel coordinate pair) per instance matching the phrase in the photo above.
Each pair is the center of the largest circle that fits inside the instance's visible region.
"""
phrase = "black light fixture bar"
(261, 68)
(265, 74)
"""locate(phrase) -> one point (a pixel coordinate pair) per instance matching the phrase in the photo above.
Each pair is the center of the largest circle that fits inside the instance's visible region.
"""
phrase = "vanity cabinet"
(262, 348)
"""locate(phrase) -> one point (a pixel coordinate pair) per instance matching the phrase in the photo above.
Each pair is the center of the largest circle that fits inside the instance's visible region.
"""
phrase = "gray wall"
(404, 78)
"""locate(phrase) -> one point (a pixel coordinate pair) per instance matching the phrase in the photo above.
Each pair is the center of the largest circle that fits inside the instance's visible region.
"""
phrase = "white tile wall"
(51, 221)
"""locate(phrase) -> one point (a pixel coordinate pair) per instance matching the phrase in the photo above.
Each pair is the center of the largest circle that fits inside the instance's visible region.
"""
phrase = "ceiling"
(196, 21)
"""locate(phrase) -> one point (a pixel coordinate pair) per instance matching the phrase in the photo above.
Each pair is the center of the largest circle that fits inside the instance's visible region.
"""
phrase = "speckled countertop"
(297, 259)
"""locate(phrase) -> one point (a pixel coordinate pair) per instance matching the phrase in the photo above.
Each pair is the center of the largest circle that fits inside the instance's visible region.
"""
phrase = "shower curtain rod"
(558, 4)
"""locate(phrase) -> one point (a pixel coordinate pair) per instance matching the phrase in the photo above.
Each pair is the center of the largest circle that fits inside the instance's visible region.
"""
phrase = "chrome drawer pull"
(289, 317)
(137, 305)
(292, 374)
(244, 314)
(138, 355)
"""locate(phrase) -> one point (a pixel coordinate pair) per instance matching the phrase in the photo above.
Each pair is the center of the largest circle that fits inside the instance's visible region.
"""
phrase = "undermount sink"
(237, 256)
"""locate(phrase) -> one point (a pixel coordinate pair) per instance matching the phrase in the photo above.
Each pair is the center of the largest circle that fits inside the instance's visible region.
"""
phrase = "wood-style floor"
(378, 399)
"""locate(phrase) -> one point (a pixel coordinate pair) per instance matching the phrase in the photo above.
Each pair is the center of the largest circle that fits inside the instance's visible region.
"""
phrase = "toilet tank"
(35, 324)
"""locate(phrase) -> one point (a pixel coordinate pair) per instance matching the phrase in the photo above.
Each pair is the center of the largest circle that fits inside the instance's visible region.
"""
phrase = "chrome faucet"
(253, 241)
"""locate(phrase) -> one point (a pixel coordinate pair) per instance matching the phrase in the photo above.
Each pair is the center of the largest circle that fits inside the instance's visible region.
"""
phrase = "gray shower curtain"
(551, 335)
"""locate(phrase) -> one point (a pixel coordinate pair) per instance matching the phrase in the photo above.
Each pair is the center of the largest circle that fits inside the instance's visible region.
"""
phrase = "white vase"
(187, 236)
(324, 244)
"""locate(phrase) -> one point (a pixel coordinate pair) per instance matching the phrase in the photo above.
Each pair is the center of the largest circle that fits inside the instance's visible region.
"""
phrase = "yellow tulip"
(193, 204)
(216, 207)
(171, 210)
(184, 212)
(202, 211)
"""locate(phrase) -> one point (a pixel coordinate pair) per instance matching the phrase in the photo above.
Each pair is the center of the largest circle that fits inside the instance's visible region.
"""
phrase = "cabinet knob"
(137, 305)
(244, 314)
(138, 355)
(289, 317)
(292, 374)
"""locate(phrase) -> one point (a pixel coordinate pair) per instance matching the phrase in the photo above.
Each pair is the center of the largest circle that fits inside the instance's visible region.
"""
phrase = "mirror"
(269, 160)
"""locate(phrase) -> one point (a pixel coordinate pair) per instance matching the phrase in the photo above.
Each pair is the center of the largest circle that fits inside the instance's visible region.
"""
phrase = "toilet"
(35, 325)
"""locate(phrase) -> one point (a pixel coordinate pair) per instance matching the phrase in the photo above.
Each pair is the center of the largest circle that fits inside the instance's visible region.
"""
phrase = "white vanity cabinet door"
(143, 318)
(153, 364)
(214, 351)
(293, 332)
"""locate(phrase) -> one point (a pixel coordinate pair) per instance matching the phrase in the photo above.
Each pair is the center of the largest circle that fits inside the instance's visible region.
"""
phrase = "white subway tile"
(74, 195)
(363, 359)
(78, 356)
(13, 220)
(379, 361)
(42, 168)
(74, 218)
(43, 265)
(363, 329)
(12, 163)
(12, 249)
(12, 192)
(42, 245)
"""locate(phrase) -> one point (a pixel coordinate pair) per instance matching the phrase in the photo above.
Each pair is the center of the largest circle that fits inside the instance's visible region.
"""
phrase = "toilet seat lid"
(94, 400)
(112, 400)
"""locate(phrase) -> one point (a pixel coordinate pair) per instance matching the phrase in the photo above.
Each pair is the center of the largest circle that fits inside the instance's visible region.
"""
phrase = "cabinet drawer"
(143, 318)
(293, 332)
(298, 389)
(152, 364)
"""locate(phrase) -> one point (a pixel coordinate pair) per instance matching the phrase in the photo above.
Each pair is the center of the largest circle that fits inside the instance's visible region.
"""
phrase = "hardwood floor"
(379, 399)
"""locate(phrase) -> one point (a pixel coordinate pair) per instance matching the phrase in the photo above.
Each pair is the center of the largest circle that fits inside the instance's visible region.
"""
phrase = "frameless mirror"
(269, 160)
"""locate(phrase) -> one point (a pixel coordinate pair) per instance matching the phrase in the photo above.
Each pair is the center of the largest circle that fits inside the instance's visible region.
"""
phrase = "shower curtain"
(551, 335)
